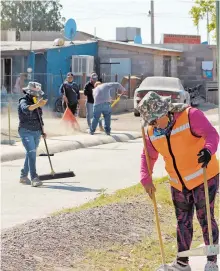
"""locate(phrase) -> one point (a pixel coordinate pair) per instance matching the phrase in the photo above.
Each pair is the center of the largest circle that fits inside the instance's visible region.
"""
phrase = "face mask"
(165, 131)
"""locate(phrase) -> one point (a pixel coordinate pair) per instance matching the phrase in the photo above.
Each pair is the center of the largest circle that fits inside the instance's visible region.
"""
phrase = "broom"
(52, 175)
(68, 112)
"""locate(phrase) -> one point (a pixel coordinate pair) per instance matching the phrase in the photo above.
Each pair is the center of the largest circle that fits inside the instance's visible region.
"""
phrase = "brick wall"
(189, 66)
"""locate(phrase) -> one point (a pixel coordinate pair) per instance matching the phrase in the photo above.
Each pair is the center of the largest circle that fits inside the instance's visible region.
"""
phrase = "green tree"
(17, 15)
(200, 10)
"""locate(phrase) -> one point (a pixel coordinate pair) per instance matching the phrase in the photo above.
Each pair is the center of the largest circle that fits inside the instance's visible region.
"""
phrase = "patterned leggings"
(184, 203)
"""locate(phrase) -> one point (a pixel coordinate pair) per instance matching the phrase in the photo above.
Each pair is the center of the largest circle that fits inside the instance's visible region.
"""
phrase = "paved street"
(111, 166)
(120, 122)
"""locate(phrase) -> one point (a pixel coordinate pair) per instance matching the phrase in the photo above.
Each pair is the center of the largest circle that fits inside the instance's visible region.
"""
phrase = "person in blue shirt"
(70, 93)
(30, 130)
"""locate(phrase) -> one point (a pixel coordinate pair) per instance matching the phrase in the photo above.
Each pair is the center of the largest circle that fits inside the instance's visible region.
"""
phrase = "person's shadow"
(68, 187)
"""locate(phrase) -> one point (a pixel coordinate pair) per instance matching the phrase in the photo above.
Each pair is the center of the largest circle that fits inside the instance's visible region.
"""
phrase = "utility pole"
(218, 49)
(95, 33)
(152, 20)
(31, 26)
(207, 13)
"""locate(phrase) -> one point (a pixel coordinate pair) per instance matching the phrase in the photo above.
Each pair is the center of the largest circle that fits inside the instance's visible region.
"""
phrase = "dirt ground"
(54, 127)
(63, 240)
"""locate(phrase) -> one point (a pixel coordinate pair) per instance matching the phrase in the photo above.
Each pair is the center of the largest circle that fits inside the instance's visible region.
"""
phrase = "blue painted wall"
(40, 69)
(60, 59)
(46, 68)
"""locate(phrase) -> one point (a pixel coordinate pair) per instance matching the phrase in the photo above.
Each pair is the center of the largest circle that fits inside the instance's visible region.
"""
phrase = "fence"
(11, 85)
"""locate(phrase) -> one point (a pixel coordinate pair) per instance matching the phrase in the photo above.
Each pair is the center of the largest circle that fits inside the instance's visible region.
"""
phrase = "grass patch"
(145, 255)
(119, 196)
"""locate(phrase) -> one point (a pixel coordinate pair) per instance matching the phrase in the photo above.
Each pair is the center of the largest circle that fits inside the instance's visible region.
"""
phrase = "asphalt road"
(111, 167)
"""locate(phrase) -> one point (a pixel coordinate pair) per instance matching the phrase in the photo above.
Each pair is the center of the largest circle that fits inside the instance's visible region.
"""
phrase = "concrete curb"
(68, 143)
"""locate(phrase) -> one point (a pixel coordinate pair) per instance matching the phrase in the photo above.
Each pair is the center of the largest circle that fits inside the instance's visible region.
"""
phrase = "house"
(44, 62)
(198, 65)
(122, 58)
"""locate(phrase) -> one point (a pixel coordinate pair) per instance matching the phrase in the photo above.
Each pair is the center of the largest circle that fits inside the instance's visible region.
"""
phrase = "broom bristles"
(59, 175)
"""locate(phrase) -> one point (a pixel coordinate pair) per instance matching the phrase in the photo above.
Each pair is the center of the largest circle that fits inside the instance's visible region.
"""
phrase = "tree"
(201, 9)
(17, 15)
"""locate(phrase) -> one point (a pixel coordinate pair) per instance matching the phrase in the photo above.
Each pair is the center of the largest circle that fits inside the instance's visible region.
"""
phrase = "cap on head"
(69, 74)
(154, 106)
(34, 89)
(94, 77)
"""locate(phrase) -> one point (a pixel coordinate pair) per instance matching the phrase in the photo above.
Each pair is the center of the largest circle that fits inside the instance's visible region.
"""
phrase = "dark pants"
(195, 198)
(72, 107)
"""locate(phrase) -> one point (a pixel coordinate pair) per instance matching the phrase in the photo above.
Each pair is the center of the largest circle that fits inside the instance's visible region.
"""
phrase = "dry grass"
(144, 256)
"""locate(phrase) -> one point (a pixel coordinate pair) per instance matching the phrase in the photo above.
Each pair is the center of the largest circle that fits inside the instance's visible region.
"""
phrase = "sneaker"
(211, 266)
(180, 266)
(25, 180)
(36, 182)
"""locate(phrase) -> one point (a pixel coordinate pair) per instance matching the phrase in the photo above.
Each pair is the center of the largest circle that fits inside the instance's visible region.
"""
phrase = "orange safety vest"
(180, 154)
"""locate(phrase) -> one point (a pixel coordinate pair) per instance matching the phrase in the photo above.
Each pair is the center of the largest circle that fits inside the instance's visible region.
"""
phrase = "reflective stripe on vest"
(173, 180)
(175, 131)
(153, 138)
(180, 129)
(194, 175)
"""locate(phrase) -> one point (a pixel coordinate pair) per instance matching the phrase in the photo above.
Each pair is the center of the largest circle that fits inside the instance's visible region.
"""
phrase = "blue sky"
(171, 16)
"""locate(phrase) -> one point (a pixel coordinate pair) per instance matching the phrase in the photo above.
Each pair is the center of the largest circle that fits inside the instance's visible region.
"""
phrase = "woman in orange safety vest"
(188, 142)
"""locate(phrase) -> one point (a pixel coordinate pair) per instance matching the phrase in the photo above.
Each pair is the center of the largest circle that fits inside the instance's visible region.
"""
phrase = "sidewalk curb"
(68, 143)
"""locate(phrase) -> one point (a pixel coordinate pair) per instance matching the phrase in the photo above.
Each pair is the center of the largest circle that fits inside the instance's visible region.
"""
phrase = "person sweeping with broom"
(188, 143)
(69, 91)
(30, 129)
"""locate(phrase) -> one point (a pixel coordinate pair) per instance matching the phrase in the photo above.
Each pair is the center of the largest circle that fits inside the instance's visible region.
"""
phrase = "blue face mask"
(165, 131)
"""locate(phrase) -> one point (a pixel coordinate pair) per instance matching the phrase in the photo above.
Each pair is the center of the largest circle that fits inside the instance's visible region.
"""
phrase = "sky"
(171, 16)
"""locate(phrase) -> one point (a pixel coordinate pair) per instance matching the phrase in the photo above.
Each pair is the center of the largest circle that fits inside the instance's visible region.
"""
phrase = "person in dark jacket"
(88, 92)
(70, 92)
(30, 115)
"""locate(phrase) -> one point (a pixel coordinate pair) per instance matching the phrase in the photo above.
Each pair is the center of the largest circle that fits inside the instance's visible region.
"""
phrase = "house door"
(2, 72)
(167, 66)
(6, 73)
(122, 69)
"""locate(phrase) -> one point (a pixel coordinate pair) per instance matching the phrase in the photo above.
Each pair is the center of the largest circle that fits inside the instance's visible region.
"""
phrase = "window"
(167, 66)
(82, 64)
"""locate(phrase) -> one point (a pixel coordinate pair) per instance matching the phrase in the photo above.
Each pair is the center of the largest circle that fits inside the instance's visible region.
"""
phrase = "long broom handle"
(208, 207)
(63, 87)
(154, 200)
(45, 142)
(9, 122)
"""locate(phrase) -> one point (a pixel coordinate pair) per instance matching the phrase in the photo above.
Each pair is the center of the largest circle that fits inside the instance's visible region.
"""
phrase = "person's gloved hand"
(204, 157)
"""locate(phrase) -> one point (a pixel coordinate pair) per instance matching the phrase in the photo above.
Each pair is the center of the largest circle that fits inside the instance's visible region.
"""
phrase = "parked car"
(165, 86)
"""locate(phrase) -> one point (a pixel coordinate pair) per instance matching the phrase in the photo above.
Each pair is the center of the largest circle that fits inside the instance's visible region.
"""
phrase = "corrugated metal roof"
(36, 45)
(143, 46)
